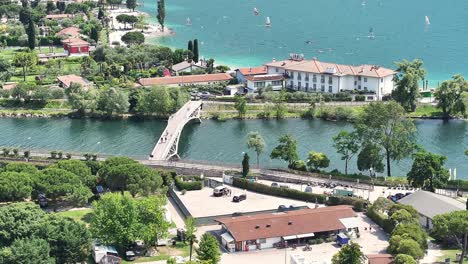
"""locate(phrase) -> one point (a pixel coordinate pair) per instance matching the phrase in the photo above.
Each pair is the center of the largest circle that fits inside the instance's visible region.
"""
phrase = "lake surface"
(338, 31)
(223, 142)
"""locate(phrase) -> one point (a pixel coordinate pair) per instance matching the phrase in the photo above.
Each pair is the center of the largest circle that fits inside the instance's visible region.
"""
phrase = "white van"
(218, 191)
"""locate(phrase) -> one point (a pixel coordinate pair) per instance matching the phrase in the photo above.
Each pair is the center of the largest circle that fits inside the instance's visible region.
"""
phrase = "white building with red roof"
(76, 46)
(316, 76)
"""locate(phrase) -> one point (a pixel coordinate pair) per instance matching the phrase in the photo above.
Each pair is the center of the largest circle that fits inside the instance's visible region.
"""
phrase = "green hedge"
(381, 220)
(183, 183)
(358, 204)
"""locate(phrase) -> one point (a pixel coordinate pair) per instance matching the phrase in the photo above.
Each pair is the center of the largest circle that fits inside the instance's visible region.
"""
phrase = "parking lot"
(379, 191)
(202, 203)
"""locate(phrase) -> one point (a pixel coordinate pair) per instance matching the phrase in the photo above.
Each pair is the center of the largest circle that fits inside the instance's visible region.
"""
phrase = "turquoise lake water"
(337, 30)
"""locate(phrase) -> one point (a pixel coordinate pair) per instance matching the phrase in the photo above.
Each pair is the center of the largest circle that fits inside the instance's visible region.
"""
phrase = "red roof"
(253, 71)
(59, 16)
(287, 223)
(75, 42)
(269, 77)
(380, 259)
(186, 79)
(67, 80)
(71, 31)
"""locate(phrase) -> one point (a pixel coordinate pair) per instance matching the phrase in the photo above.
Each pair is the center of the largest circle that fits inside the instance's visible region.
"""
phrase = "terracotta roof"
(315, 66)
(185, 65)
(9, 85)
(186, 79)
(380, 259)
(287, 223)
(267, 77)
(67, 80)
(253, 71)
(71, 31)
(59, 16)
(75, 42)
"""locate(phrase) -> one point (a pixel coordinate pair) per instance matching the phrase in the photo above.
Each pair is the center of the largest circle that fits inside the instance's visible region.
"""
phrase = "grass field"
(426, 111)
(83, 216)
(450, 253)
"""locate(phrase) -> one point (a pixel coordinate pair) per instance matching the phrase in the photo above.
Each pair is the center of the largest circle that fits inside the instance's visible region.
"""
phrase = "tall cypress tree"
(100, 13)
(195, 51)
(94, 34)
(161, 13)
(31, 31)
(190, 46)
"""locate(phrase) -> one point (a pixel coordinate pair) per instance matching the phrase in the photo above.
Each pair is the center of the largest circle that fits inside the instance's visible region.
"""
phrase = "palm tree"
(190, 236)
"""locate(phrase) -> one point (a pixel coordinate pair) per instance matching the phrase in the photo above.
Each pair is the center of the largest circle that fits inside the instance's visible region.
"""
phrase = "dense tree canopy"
(112, 101)
(133, 38)
(81, 99)
(15, 186)
(349, 254)
(208, 249)
(317, 160)
(286, 150)
(256, 142)
(450, 96)
(346, 144)
(452, 228)
(428, 172)
(407, 83)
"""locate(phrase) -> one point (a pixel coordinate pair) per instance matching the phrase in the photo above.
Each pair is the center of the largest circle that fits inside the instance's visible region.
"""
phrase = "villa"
(66, 80)
(299, 74)
(76, 46)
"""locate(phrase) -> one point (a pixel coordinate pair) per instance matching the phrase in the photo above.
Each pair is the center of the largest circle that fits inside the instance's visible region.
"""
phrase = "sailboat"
(428, 22)
(268, 22)
(188, 22)
(256, 12)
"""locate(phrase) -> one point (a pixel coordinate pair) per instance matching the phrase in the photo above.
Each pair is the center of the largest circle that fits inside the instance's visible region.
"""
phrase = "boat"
(428, 22)
(268, 22)
(256, 11)
(371, 34)
(188, 22)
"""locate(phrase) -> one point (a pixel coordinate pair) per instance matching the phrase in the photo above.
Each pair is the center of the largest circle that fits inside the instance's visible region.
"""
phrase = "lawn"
(450, 253)
(426, 111)
(165, 252)
(83, 216)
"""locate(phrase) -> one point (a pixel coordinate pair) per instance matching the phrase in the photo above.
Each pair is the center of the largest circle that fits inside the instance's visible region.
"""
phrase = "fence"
(185, 212)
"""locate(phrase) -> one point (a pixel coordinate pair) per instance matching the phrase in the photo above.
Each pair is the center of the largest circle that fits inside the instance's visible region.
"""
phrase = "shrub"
(404, 259)
(299, 165)
(15, 152)
(68, 155)
(380, 219)
(183, 192)
(6, 152)
(344, 113)
(191, 185)
(94, 157)
(26, 153)
(411, 248)
(359, 98)
(87, 156)
(60, 154)
(53, 154)
(357, 203)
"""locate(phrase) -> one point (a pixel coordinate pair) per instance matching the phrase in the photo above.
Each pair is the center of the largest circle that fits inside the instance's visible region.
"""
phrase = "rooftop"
(431, 204)
(289, 223)
(58, 16)
(253, 70)
(266, 77)
(380, 259)
(75, 42)
(67, 80)
(187, 79)
(71, 31)
(184, 65)
(316, 66)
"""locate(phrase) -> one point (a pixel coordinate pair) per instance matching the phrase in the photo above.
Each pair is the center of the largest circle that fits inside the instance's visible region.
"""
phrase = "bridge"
(167, 145)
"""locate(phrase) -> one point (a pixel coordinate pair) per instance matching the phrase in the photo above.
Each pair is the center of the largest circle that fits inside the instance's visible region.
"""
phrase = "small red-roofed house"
(76, 46)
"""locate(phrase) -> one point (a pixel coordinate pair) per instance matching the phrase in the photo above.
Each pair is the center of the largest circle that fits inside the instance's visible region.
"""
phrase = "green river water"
(224, 142)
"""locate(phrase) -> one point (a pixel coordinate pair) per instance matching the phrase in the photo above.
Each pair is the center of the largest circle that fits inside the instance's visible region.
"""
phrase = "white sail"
(428, 22)
(256, 12)
(189, 22)
(268, 22)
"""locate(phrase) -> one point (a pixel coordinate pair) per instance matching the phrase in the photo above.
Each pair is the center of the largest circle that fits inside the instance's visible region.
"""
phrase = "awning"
(227, 237)
(305, 235)
(289, 237)
(350, 222)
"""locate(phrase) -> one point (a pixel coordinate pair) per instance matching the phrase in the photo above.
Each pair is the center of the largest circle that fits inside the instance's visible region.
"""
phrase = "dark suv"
(238, 198)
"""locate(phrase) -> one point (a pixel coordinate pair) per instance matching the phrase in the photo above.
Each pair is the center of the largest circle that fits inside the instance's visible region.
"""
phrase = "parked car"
(194, 93)
(220, 191)
(275, 185)
(205, 95)
(284, 186)
(239, 198)
(308, 189)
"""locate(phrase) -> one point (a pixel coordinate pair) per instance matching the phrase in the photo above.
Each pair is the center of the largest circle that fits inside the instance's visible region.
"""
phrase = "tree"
(210, 66)
(161, 13)
(21, 167)
(286, 150)
(404, 259)
(450, 96)
(28, 251)
(349, 254)
(370, 158)
(131, 4)
(113, 101)
(245, 165)
(318, 160)
(80, 169)
(240, 105)
(190, 233)
(208, 249)
(412, 231)
(94, 34)
(195, 50)
(151, 216)
(407, 83)
(133, 38)
(69, 240)
(427, 171)
(5, 70)
(279, 105)
(15, 186)
(178, 56)
(384, 125)
(50, 7)
(25, 60)
(190, 47)
(101, 14)
(80, 99)
(31, 31)
(25, 15)
(347, 145)
(452, 227)
(402, 217)
(255, 141)
(411, 248)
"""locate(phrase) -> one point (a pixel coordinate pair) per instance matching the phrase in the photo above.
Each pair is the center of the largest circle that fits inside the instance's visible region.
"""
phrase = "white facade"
(253, 86)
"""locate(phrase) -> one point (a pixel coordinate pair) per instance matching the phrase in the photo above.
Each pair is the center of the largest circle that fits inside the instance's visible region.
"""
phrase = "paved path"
(166, 147)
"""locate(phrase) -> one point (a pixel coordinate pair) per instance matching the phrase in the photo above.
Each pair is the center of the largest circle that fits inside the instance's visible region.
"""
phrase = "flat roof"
(287, 224)
(186, 79)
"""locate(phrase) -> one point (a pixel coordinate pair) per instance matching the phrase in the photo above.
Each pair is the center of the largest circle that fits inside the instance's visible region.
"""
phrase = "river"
(213, 141)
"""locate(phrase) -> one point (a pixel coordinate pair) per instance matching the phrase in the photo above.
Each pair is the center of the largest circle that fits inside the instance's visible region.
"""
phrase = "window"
(322, 79)
(307, 87)
(291, 84)
(314, 78)
(262, 240)
(355, 83)
(276, 69)
(299, 85)
(307, 77)
(292, 75)
(381, 80)
(259, 84)
(330, 80)
(299, 76)
(365, 88)
(314, 87)
(359, 87)
(359, 78)
(322, 88)
(330, 89)
(365, 79)
(276, 83)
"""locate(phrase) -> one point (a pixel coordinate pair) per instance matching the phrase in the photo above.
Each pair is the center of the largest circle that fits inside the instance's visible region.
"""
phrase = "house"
(430, 204)
(105, 254)
(69, 32)
(66, 80)
(379, 259)
(274, 81)
(201, 79)
(58, 16)
(186, 66)
(241, 73)
(262, 231)
(316, 76)
(75, 46)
